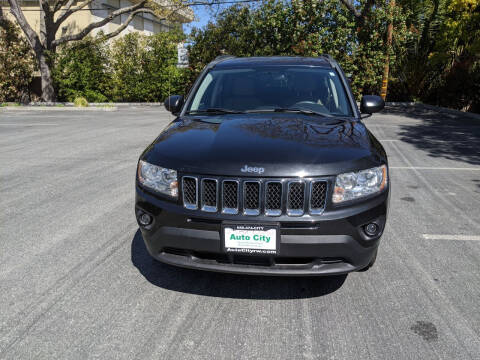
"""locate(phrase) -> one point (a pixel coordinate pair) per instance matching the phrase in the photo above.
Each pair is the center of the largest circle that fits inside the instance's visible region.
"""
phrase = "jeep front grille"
(230, 197)
(273, 198)
(190, 196)
(296, 197)
(209, 196)
(252, 197)
(318, 192)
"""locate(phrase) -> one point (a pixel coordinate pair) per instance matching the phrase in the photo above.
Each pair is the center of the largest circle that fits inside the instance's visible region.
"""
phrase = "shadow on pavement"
(476, 182)
(228, 285)
(442, 135)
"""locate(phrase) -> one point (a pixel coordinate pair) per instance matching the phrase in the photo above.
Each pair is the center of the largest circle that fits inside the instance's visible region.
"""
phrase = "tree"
(386, 67)
(354, 35)
(455, 55)
(54, 13)
(16, 63)
(82, 69)
(144, 67)
(415, 71)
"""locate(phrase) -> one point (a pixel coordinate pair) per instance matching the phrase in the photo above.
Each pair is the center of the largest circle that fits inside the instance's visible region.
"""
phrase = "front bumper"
(330, 244)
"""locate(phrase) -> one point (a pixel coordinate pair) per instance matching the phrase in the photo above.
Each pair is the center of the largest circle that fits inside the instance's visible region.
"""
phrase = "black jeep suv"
(267, 169)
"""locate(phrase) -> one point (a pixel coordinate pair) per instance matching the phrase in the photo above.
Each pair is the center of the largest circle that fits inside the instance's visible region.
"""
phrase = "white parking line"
(452, 237)
(368, 125)
(435, 168)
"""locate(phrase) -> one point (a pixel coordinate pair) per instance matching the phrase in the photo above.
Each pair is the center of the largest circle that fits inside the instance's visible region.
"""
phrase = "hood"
(282, 144)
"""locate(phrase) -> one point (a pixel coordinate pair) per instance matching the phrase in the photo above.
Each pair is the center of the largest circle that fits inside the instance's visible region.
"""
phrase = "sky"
(202, 15)
(205, 13)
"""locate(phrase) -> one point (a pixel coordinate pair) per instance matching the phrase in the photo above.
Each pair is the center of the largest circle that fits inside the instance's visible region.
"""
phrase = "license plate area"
(250, 239)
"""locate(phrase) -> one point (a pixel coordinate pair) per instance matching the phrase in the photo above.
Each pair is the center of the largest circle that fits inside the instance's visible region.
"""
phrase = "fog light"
(145, 219)
(371, 229)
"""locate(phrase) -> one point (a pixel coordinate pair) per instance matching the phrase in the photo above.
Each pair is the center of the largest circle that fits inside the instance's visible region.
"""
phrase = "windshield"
(271, 88)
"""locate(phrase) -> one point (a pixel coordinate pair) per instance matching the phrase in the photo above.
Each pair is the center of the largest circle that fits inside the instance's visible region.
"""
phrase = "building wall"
(32, 14)
(99, 9)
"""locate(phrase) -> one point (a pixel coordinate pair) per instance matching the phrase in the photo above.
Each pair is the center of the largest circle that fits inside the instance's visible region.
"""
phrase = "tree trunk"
(48, 92)
(386, 68)
(47, 35)
(2, 18)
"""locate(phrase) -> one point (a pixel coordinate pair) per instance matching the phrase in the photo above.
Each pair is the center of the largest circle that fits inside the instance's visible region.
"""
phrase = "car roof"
(230, 61)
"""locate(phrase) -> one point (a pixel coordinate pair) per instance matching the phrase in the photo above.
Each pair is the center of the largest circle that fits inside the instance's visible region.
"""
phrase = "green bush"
(82, 70)
(457, 89)
(80, 102)
(17, 63)
(144, 67)
(133, 68)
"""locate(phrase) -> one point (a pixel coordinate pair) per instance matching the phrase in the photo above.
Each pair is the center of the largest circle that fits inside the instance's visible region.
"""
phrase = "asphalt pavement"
(76, 281)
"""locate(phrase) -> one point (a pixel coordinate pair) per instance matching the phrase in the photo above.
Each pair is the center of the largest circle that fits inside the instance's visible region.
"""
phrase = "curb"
(56, 108)
(142, 104)
(435, 108)
(93, 104)
(68, 106)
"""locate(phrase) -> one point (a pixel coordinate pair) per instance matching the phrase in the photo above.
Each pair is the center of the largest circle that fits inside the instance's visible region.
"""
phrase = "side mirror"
(174, 103)
(371, 104)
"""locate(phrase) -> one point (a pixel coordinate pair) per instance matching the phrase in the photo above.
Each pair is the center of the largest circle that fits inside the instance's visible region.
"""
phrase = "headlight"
(157, 178)
(354, 185)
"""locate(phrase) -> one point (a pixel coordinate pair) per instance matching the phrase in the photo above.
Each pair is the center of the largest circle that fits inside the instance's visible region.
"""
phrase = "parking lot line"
(434, 168)
(444, 126)
(451, 237)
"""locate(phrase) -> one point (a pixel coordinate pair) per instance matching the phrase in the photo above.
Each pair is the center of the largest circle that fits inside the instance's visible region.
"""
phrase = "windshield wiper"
(293, 110)
(229, 111)
(216, 111)
(300, 111)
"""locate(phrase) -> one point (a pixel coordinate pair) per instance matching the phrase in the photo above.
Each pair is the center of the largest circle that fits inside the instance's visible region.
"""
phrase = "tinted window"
(268, 88)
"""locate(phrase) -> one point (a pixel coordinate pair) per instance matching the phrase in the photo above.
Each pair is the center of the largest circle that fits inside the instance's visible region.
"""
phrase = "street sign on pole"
(182, 52)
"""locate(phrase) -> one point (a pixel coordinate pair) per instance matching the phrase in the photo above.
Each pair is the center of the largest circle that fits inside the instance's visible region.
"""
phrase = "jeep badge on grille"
(250, 169)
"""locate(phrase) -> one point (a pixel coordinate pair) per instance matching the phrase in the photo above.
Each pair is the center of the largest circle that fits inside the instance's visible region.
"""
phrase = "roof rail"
(330, 59)
(222, 57)
(219, 59)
